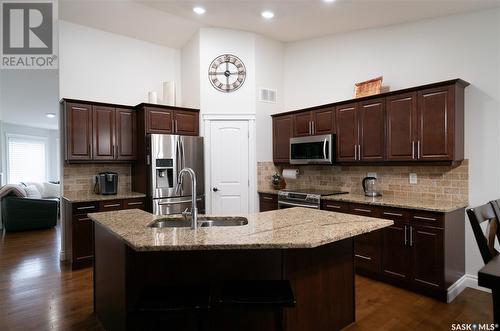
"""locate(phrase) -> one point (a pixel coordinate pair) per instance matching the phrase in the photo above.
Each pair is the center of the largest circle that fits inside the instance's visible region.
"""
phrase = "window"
(26, 159)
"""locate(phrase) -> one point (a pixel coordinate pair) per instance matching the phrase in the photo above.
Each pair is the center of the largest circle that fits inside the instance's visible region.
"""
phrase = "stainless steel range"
(308, 198)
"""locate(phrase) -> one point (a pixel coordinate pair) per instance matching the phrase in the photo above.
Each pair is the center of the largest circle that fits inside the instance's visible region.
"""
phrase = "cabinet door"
(371, 130)
(435, 124)
(427, 256)
(302, 124)
(324, 121)
(347, 132)
(282, 132)
(82, 239)
(268, 202)
(396, 251)
(78, 138)
(367, 251)
(401, 124)
(126, 144)
(103, 128)
(159, 120)
(186, 122)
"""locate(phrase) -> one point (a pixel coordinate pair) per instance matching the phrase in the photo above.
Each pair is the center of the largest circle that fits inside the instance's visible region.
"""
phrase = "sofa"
(32, 210)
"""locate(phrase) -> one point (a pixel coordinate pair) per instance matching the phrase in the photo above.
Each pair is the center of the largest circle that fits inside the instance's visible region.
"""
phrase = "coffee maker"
(106, 183)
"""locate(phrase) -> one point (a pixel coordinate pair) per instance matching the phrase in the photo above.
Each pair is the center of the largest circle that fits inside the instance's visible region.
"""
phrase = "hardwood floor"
(37, 292)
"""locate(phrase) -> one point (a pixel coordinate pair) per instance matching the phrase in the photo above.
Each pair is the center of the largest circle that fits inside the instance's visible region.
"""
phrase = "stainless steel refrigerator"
(166, 156)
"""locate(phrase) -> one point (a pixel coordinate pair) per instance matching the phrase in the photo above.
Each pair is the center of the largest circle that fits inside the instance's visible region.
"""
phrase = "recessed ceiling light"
(50, 115)
(199, 10)
(267, 14)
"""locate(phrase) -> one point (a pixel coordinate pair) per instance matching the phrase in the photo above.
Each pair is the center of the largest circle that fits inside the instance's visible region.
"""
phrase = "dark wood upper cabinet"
(186, 122)
(126, 131)
(282, 132)
(347, 132)
(371, 144)
(302, 124)
(324, 120)
(401, 126)
(103, 128)
(159, 120)
(436, 124)
(78, 132)
(423, 123)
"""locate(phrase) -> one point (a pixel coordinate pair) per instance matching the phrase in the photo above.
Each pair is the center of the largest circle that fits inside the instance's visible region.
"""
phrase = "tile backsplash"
(79, 179)
(445, 183)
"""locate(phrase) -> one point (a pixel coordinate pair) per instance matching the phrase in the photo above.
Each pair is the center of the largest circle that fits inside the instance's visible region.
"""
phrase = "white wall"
(102, 66)
(190, 72)
(269, 56)
(466, 46)
(215, 42)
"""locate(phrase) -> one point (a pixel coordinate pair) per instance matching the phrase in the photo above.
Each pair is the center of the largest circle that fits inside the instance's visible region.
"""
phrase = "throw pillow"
(15, 190)
(51, 190)
(32, 192)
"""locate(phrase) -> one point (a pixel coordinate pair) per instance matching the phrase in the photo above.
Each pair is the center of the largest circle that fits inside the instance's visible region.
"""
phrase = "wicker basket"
(369, 87)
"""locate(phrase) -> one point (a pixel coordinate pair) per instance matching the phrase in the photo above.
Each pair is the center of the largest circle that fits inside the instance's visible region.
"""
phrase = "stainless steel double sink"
(203, 222)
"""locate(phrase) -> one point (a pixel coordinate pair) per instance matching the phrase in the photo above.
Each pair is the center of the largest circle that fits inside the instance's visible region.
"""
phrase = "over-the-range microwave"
(313, 149)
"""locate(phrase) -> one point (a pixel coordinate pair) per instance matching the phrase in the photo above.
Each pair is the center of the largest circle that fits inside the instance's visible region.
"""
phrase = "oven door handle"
(293, 204)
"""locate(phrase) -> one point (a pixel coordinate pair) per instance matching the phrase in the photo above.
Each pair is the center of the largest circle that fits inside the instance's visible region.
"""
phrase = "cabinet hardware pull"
(418, 149)
(413, 150)
(363, 210)
(267, 198)
(313, 127)
(333, 206)
(355, 152)
(359, 152)
(424, 218)
(363, 257)
(85, 219)
(411, 236)
(392, 214)
(394, 273)
(176, 126)
(406, 236)
(134, 203)
(112, 205)
(85, 208)
(79, 108)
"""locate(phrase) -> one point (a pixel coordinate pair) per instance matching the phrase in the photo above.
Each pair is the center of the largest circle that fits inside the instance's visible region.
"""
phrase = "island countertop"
(280, 229)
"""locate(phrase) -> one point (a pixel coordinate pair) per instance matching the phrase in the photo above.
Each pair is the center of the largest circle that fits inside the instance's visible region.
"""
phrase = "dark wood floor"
(38, 293)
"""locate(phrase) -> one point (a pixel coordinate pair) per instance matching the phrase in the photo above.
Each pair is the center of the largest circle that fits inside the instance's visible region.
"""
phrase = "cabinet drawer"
(137, 203)
(395, 214)
(337, 206)
(110, 205)
(367, 251)
(267, 197)
(85, 207)
(365, 210)
(429, 218)
(268, 201)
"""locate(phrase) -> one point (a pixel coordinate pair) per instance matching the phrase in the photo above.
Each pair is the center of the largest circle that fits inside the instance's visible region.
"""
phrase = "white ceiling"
(172, 23)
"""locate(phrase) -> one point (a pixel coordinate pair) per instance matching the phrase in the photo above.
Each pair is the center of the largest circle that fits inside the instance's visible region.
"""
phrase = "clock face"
(227, 73)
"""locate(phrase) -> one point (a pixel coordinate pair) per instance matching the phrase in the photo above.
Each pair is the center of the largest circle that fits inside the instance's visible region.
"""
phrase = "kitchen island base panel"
(322, 279)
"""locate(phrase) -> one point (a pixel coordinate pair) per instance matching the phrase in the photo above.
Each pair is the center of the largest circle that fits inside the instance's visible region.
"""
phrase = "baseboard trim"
(460, 285)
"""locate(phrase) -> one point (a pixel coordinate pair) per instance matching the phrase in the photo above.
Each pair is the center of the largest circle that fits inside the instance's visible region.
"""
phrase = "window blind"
(26, 160)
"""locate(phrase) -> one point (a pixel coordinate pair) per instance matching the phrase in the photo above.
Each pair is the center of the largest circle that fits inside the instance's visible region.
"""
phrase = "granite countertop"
(418, 204)
(279, 229)
(99, 197)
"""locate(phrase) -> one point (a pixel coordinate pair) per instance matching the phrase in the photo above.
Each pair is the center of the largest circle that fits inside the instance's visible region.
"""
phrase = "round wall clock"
(227, 73)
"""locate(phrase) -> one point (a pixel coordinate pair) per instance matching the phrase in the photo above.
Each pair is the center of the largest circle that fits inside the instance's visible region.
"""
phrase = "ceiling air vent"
(267, 95)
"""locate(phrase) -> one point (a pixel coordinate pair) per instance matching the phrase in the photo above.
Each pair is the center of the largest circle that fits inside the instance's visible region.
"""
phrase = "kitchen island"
(312, 249)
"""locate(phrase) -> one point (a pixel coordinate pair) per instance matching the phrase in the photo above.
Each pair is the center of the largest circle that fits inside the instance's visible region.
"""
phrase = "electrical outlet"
(371, 174)
(413, 178)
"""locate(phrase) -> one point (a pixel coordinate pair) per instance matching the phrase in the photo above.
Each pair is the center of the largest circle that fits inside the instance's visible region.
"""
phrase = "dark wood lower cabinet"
(78, 227)
(268, 202)
(422, 251)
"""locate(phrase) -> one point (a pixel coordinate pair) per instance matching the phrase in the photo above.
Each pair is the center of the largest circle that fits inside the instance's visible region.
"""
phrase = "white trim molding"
(466, 280)
(252, 156)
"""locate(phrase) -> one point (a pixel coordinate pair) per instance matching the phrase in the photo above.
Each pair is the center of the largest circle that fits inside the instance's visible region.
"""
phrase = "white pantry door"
(229, 144)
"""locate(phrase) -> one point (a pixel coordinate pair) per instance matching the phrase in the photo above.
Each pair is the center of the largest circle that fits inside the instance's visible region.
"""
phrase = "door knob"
(215, 189)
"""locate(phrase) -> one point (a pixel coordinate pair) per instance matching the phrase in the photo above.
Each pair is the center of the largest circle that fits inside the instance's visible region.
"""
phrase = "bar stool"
(269, 296)
(490, 213)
